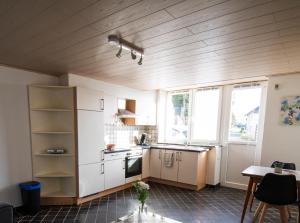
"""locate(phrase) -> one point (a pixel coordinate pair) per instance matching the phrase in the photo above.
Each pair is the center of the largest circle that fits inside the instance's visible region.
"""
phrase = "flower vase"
(142, 207)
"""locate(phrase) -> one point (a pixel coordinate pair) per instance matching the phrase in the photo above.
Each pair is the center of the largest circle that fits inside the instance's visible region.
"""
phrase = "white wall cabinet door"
(155, 162)
(114, 173)
(111, 108)
(146, 109)
(88, 99)
(169, 173)
(90, 136)
(146, 163)
(91, 179)
(188, 167)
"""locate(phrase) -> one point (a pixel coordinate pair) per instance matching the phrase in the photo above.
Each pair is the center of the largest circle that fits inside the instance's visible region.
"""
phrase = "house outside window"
(244, 114)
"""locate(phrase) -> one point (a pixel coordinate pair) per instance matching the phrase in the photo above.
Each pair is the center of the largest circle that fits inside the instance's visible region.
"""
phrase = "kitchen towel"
(168, 159)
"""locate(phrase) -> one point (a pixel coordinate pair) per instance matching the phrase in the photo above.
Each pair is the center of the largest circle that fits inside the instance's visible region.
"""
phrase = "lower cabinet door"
(114, 173)
(188, 168)
(91, 179)
(146, 163)
(169, 172)
(155, 162)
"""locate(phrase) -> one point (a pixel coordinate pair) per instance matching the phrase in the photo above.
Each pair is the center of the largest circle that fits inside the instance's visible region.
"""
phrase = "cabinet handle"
(102, 168)
(123, 164)
(102, 155)
(159, 155)
(102, 104)
(176, 156)
(180, 156)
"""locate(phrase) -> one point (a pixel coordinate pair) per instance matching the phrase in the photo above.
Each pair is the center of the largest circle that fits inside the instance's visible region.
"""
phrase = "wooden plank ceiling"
(186, 42)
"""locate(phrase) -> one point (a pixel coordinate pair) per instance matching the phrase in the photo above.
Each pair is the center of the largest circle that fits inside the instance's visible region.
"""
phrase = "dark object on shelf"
(56, 151)
(6, 213)
(30, 196)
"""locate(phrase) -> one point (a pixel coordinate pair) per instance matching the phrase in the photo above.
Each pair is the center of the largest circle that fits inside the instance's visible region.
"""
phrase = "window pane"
(244, 117)
(177, 117)
(205, 115)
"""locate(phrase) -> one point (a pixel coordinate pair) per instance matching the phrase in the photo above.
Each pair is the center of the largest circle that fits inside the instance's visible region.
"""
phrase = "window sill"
(241, 143)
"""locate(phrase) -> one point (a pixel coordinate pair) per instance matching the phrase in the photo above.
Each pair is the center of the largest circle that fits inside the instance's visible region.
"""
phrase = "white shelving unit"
(52, 113)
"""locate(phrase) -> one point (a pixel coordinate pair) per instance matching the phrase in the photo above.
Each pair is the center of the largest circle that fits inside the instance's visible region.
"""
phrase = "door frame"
(225, 119)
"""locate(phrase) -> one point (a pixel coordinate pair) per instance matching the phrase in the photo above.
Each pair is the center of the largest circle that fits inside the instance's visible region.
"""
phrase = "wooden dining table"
(255, 174)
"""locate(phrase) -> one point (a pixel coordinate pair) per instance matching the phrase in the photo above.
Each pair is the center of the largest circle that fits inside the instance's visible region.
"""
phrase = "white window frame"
(198, 141)
(190, 140)
(169, 94)
(228, 122)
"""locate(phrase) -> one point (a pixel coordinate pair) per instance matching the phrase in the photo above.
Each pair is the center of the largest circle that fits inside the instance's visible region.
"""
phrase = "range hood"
(123, 113)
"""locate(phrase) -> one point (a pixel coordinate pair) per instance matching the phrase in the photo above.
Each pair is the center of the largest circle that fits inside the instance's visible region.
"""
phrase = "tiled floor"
(207, 206)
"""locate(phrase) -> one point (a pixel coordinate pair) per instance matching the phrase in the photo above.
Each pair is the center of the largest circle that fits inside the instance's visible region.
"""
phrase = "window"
(244, 115)
(177, 117)
(205, 120)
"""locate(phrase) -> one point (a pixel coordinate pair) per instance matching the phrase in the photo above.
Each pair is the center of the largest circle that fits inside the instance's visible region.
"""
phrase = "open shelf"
(54, 155)
(52, 126)
(50, 132)
(54, 175)
(51, 86)
(51, 109)
(57, 194)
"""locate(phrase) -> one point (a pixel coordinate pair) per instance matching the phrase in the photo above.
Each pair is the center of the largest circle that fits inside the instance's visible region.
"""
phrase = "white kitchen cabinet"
(188, 167)
(88, 99)
(91, 179)
(114, 173)
(90, 136)
(169, 173)
(155, 162)
(146, 163)
(146, 109)
(111, 108)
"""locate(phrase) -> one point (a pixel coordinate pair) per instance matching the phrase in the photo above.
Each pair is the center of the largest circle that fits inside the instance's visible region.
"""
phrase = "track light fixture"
(119, 52)
(133, 55)
(141, 60)
(123, 44)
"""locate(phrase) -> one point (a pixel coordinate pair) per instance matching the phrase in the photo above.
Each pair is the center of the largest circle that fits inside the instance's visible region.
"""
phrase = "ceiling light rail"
(135, 51)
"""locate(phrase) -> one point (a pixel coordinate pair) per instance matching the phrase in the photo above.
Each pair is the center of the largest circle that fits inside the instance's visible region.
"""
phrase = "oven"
(133, 163)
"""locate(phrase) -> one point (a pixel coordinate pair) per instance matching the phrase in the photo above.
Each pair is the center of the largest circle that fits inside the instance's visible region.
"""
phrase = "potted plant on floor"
(142, 190)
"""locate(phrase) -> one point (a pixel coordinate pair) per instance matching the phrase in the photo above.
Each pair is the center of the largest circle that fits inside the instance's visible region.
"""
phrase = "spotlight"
(123, 44)
(119, 52)
(141, 60)
(133, 55)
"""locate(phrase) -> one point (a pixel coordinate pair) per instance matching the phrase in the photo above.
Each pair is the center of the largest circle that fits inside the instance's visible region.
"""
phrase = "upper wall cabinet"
(111, 108)
(146, 110)
(88, 99)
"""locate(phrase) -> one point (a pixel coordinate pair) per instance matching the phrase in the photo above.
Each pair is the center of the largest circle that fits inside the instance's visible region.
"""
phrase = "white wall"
(280, 142)
(15, 148)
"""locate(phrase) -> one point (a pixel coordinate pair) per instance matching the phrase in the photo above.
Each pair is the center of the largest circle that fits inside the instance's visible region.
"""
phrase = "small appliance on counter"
(143, 140)
(56, 151)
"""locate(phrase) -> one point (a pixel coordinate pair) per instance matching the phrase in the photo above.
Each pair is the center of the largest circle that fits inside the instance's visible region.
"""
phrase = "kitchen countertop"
(189, 148)
(116, 150)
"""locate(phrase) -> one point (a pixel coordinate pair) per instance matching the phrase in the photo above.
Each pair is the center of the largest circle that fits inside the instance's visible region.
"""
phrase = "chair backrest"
(277, 189)
(287, 166)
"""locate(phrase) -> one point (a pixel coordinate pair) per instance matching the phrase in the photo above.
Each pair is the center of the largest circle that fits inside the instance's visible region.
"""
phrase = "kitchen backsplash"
(124, 135)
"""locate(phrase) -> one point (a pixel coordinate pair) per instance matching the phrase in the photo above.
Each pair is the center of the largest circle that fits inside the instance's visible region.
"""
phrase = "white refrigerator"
(90, 130)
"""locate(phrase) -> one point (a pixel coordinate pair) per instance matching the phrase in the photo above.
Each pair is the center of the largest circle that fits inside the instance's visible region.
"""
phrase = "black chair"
(276, 191)
(287, 166)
